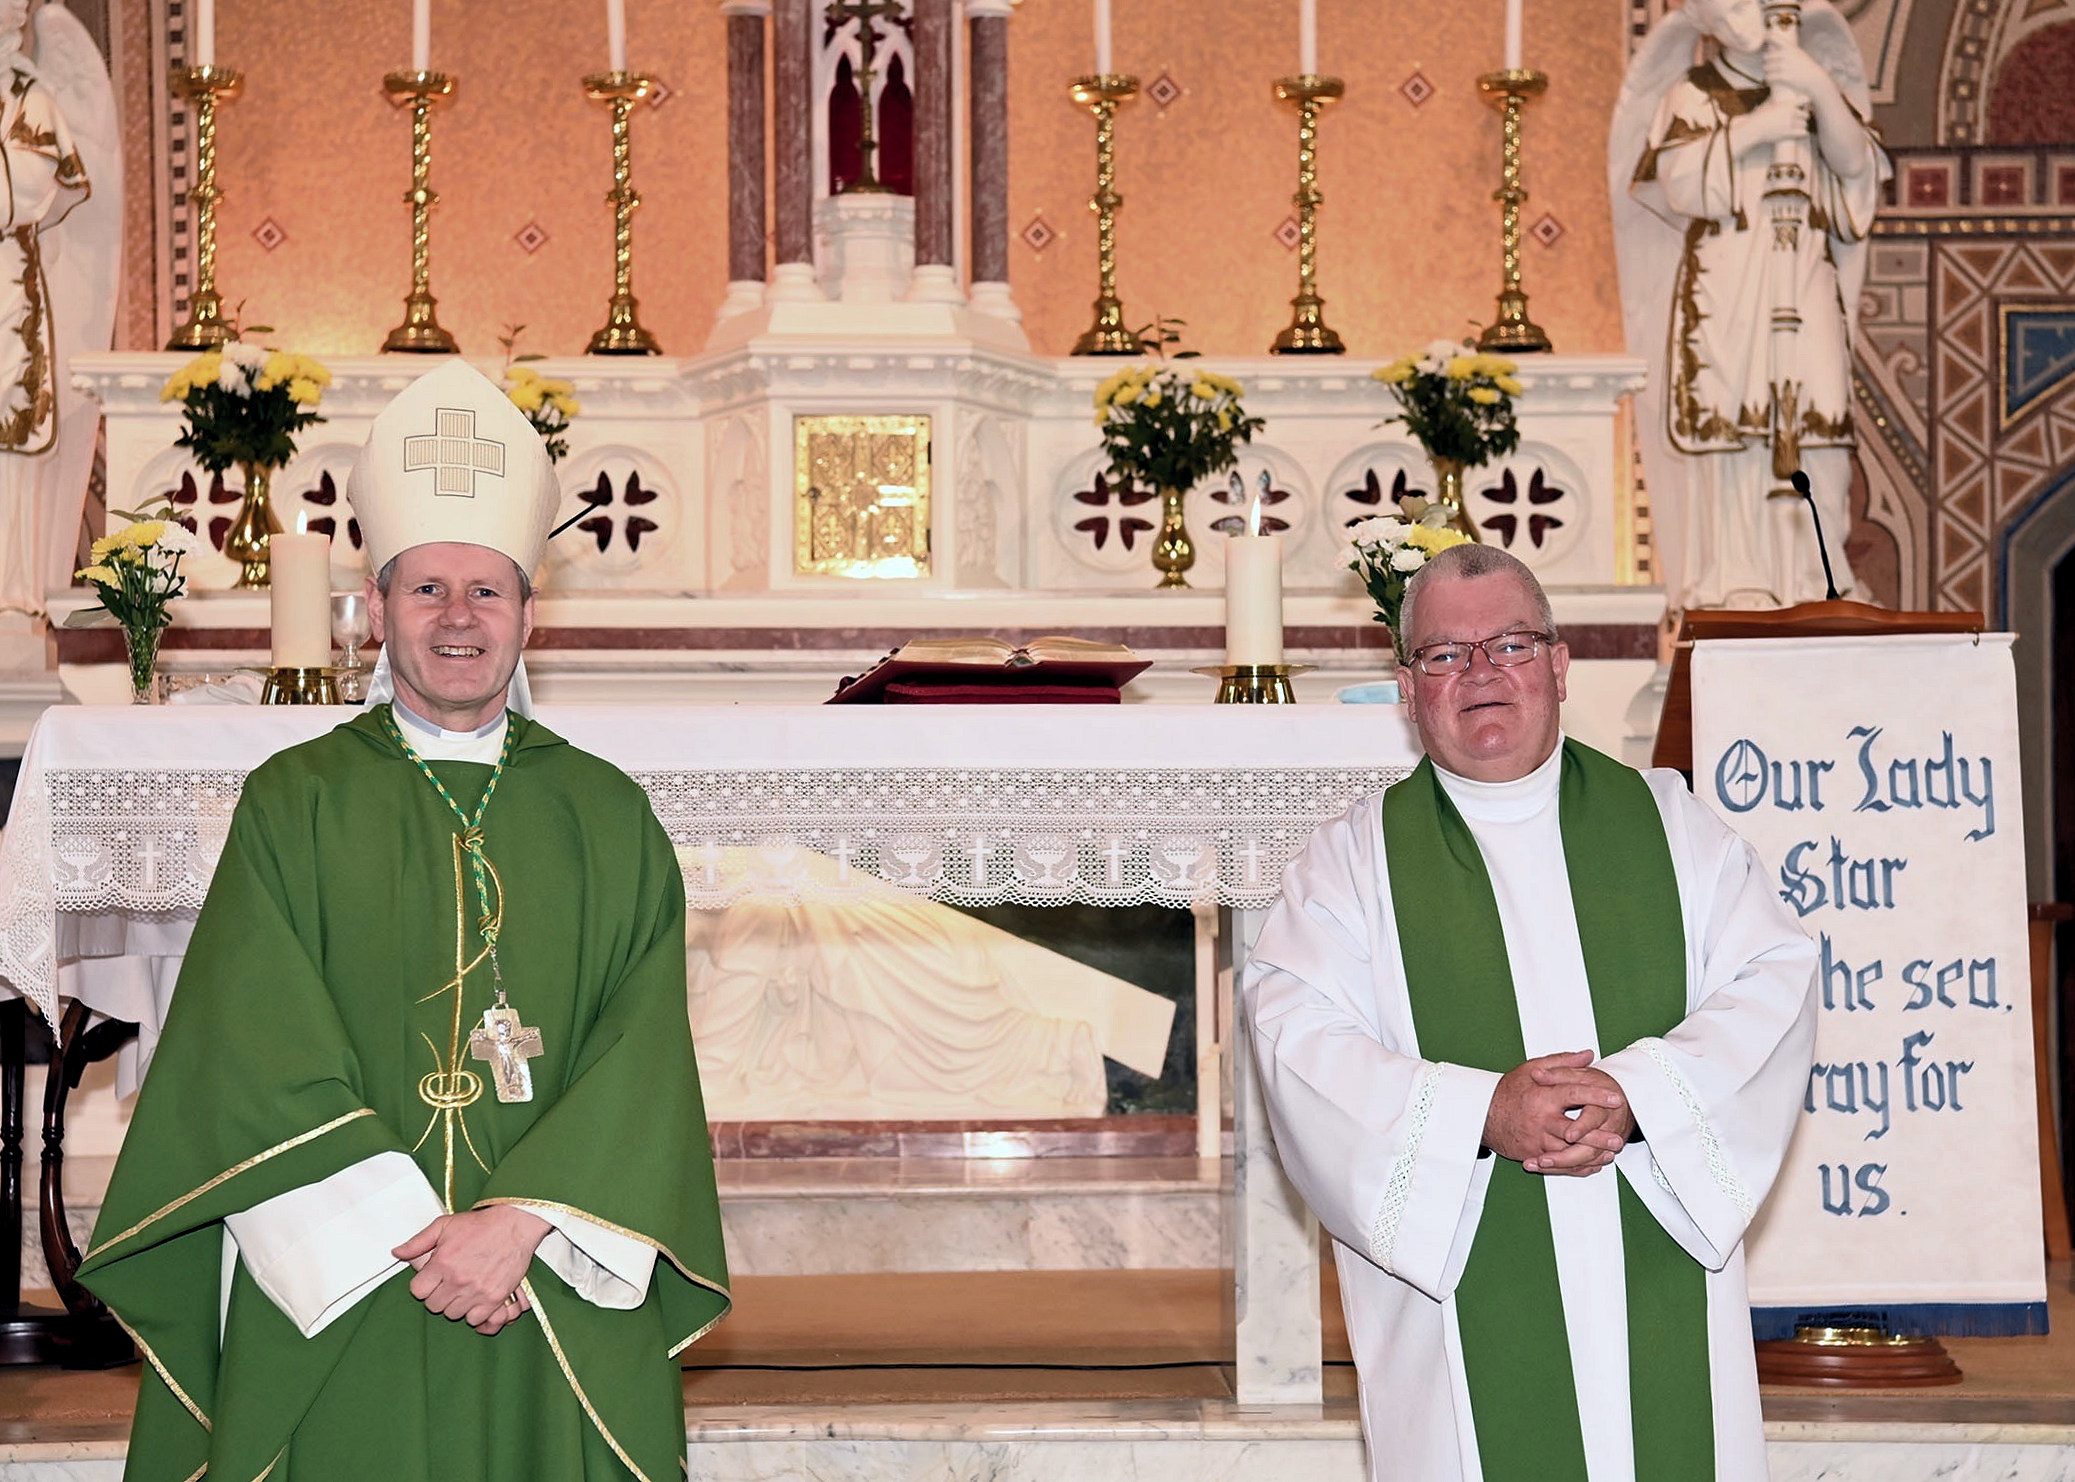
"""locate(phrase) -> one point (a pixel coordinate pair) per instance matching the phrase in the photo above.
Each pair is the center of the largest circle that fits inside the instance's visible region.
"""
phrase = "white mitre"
(451, 459)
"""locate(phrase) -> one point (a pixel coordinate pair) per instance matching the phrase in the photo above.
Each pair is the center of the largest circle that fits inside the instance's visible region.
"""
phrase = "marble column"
(936, 273)
(987, 87)
(792, 41)
(745, 22)
(1271, 1239)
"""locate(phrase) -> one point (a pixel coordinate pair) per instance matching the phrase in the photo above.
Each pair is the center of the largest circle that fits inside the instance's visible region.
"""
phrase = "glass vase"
(142, 646)
(1173, 552)
(1448, 493)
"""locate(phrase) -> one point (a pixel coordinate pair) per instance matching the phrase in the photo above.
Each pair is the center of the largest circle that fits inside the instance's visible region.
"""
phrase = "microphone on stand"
(1800, 482)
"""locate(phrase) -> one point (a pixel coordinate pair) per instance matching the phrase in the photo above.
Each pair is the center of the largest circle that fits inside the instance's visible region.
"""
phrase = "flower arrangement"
(1456, 402)
(136, 572)
(245, 405)
(1387, 552)
(548, 404)
(1170, 428)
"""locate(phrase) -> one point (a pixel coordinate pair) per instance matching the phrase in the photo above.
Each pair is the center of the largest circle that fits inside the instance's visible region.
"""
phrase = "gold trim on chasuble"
(450, 1088)
(575, 1386)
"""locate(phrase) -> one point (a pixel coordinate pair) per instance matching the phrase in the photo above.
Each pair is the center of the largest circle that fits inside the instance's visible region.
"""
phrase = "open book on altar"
(984, 670)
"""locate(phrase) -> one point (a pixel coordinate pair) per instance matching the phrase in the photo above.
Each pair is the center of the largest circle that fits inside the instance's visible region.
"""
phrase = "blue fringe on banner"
(1936, 1319)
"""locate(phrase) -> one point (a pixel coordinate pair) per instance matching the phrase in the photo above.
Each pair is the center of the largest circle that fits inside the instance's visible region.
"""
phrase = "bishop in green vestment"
(418, 1186)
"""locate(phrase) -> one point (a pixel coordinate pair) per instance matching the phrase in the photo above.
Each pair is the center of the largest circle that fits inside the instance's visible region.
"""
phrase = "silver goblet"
(349, 626)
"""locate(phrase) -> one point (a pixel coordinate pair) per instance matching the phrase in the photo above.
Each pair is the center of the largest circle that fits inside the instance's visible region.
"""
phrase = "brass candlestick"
(1308, 333)
(1101, 96)
(420, 333)
(1512, 330)
(1255, 684)
(623, 333)
(206, 327)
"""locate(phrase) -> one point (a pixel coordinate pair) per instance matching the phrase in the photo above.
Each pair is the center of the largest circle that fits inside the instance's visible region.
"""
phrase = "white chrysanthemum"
(1443, 351)
(1408, 558)
(252, 357)
(1377, 530)
(232, 378)
(178, 540)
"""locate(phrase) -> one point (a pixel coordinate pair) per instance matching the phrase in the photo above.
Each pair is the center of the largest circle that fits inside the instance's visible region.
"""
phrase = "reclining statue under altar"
(1744, 191)
(865, 1002)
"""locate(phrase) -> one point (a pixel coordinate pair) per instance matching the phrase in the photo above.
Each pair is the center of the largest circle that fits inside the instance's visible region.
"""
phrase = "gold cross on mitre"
(506, 1045)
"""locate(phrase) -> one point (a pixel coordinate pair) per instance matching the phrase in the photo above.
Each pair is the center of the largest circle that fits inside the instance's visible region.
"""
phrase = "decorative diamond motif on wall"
(1289, 233)
(658, 92)
(1416, 89)
(1164, 92)
(269, 234)
(531, 237)
(1039, 234)
(1548, 231)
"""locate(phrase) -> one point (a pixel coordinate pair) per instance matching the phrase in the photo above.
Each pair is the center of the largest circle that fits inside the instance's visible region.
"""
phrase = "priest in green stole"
(1534, 1032)
(418, 1186)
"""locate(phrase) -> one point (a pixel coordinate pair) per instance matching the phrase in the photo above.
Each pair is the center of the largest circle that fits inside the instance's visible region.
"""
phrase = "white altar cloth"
(120, 813)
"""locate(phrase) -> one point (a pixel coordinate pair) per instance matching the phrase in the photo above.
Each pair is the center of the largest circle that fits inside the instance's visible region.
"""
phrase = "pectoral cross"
(506, 1045)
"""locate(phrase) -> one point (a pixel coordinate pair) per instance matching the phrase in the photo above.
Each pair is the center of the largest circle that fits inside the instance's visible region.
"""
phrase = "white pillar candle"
(1513, 62)
(1307, 37)
(1102, 38)
(1253, 599)
(616, 34)
(299, 575)
(205, 34)
(421, 35)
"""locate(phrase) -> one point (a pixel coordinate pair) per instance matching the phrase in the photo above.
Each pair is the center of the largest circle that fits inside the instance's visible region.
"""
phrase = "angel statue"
(58, 286)
(1745, 174)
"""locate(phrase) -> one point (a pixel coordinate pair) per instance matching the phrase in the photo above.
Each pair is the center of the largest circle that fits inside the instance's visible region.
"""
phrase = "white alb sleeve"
(317, 1250)
(601, 1265)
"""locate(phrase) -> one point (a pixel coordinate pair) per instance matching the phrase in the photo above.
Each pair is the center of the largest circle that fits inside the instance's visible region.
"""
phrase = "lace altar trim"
(1710, 1145)
(1383, 1233)
(146, 842)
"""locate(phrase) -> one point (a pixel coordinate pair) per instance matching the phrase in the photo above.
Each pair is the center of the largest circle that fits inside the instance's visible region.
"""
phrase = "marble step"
(833, 1216)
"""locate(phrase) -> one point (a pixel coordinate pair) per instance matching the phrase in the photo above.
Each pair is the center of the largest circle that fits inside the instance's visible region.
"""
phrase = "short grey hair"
(1469, 562)
(388, 572)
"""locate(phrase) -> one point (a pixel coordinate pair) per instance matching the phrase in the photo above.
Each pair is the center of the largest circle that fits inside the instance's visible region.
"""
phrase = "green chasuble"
(316, 1025)
(1509, 1309)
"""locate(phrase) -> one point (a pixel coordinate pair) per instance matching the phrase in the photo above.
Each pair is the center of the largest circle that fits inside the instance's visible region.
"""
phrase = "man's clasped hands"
(1532, 1121)
(470, 1264)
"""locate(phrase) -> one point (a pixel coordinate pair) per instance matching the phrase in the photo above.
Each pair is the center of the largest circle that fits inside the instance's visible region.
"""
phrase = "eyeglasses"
(1506, 651)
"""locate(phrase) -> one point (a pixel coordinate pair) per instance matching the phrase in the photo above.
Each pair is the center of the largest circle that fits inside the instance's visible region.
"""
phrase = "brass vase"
(1448, 493)
(1173, 552)
(246, 541)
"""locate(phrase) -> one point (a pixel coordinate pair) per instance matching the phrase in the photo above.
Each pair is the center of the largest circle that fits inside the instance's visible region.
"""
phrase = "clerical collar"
(437, 744)
(1505, 802)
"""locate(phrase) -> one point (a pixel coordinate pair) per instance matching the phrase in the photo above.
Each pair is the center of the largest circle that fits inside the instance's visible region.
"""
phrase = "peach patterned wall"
(315, 235)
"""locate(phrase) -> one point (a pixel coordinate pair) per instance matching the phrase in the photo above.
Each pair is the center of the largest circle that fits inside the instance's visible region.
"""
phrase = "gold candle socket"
(290, 686)
(1255, 684)
(420, 333)
(1308, 333)
(1509, 92)
(1101, 95)
(623, 333)
(206, 328)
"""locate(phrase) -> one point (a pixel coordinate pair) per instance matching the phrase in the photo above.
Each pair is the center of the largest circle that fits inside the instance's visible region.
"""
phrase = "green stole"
(1516, 1355)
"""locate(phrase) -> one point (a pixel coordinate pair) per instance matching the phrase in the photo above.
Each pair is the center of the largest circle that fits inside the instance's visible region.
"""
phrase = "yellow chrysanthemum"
(1126, 394)
(567, 405)
(1152, 398)
(279, 368)
(98, 573)
(519, 374)
(1496, 365)
(1224, 420)
(1110, 387)
(102, 547)
(1462, 367)
(1484, 396)
(307, 369)
(1434, 539)
(528, 397)
(304, 392)
(1397, 373)
(139, 535)
(1509, 385)
(1202, 390)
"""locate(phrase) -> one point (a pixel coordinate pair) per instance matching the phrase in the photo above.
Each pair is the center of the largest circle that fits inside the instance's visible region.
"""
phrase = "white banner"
(1878, 780)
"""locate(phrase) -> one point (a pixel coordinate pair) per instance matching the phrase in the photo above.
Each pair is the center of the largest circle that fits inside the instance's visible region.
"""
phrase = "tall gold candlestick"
(623, 333)
(1101, 96)
(206, 327)
(420, 333)
(1308, 333)
(1512, 330)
